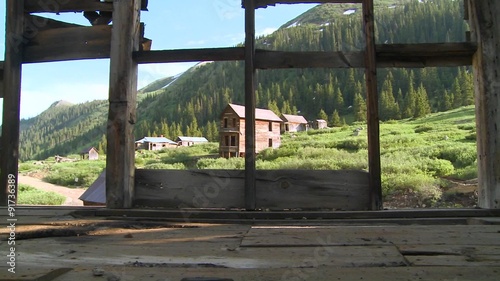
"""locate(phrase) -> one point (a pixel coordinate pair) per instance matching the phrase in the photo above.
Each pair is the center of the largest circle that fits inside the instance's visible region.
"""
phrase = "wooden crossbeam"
(61, 6)
(388, 55)
(71, 43)
(266, 3)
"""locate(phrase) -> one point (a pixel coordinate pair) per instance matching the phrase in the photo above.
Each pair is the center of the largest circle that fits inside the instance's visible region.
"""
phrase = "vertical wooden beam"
(372, 106)
(12, 99)
(485, 29)
(125, 39)
(250, 190)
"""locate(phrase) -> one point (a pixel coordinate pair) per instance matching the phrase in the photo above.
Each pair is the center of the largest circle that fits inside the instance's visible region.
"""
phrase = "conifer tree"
(359, 108)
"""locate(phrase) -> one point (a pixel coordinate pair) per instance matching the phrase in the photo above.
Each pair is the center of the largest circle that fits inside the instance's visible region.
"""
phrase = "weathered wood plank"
(11, 102)
(250, 105)
(209, 54)
(120, 168)
(388, 55)
(372, 107)
(34, 24)
(485, 28)
(276, 189)
(60, 6)
(458, 261)
(69, 43)
(266, 3)
(1, 79)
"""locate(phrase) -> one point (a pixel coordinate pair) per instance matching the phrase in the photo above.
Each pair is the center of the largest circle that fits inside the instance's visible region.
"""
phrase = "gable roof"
(88, 149)
(192, 139)
(294, 118)
(260, 114)
(156, 140)
(96, 193)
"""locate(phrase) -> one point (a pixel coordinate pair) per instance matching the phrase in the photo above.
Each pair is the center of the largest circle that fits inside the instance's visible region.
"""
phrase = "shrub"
(460, 155)
(423, 128)
(29, 195)
(75, 174)
(164, 166)
(352, 144)
(438, 167)
(466, 173)
(236, 163)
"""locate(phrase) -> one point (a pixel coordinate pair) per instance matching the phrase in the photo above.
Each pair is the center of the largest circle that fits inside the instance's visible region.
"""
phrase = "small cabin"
(319, 124)
(232, 131)
(293, 123)
(190, 141)
(90, 153)
(154, 143)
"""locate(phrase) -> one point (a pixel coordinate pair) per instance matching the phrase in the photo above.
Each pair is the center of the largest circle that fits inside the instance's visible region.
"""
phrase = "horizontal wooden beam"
(190, 55)
(266, 3)
(72, 43)
(34, 24)
(276, 189)
(60, 6)
(277, 59)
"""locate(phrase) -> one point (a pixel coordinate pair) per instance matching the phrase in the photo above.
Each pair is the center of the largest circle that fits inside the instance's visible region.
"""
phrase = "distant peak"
(61, 103)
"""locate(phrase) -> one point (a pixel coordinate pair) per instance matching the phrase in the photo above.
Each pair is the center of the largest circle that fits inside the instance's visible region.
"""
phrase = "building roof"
(192, 139)
(96, 193)
(87, 150)
(294, 118)
(156, 140)
(260, 114)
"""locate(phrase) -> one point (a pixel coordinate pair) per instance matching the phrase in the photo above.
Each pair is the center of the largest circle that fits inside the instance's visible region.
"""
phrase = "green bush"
(352, 144)
(235, 163)
(75, 174)
(466, 173)
(423, 128)
(29, 195)
(164, 166)
(461, 155)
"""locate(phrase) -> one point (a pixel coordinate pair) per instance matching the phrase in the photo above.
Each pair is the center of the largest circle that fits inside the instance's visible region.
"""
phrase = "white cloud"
(150, 72)
(196, 42)
(265, 31)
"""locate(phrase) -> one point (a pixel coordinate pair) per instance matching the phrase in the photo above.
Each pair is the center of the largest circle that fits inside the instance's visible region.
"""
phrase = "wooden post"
(250, 190)
(11, 101)
(125, 39)
(485, 29)
(372, 106)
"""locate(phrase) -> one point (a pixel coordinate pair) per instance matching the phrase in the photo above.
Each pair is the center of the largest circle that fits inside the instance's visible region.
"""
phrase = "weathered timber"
(209, 54)
(60, 6)
(275, 189)
(71, 43)
(266, 3)
(372, 107)
(122, 104)
(1, 79)
(388, 55)
(250, 105)
(485, 29)
(34, 24)
(11, 102)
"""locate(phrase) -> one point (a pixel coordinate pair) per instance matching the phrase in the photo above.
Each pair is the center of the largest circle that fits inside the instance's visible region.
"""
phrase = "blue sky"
(170, 24)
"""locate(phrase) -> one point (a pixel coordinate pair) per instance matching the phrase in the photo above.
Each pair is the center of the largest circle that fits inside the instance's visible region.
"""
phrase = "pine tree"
(335, 119)
(422, 107)
(322, 115)
(359, 108)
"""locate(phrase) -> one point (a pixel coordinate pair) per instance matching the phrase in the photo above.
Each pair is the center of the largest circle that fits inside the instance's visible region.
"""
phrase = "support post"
(372, 106)
(11, 101)
(485, 29)
(125, 39)
(250, 189)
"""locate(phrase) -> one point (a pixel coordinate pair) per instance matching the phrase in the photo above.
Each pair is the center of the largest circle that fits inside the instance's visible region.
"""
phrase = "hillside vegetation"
(190, 104)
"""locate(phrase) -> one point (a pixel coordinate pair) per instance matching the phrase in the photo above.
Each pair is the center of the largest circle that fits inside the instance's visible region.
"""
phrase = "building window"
(234, 122)
(287, 127)
(270, 126)
(225, 122)
(233, 140)
(270, 142)
(226, 138)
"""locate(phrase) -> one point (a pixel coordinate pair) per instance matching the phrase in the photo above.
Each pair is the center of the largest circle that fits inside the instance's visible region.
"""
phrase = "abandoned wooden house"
(293, 123)
(190, 141)
(90, 153)
(154, 143)
(244, 224)
(232, 131)
(95, 195)
(319, 124)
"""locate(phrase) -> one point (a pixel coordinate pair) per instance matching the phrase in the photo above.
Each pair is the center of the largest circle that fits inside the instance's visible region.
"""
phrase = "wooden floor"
(61, 244)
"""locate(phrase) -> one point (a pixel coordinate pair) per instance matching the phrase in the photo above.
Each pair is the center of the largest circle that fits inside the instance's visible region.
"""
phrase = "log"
(266, 3)
(250, 105)
(120, 168)
(485, 29)
(372, 107)
(60, 6)
(71, 43)
(190, 55)
(275, 189)
(11, 102)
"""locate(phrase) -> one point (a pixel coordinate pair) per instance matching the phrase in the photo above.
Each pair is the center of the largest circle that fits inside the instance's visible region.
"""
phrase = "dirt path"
(71, 194)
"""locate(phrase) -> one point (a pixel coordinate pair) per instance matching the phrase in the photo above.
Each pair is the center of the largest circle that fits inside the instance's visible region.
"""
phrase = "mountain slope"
(191, 105)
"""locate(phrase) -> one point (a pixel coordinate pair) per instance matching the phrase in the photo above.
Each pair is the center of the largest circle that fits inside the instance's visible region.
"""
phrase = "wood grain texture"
(60, 6)
(11, 101)
(70, 43)
(372, 107)
(1, 79)
(266, 3)
(122, 104)
(485, 28)
(275, 189)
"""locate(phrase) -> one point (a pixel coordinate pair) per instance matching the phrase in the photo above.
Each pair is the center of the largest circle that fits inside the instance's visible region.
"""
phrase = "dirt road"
(71, 194)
